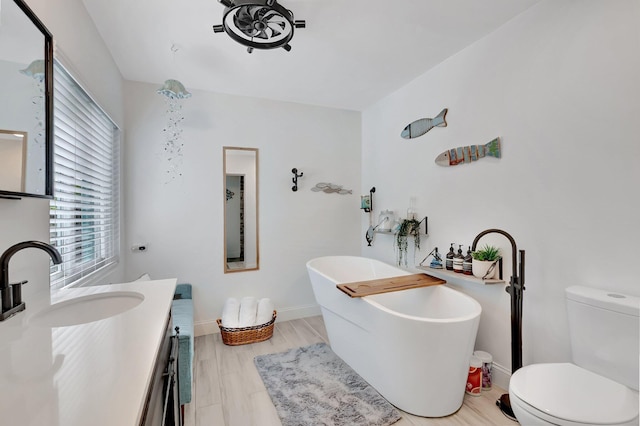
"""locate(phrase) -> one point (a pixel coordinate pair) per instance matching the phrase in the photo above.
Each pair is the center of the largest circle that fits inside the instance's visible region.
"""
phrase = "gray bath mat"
(312, 386)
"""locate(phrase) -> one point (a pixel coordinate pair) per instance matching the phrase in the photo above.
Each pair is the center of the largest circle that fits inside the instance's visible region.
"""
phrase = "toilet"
(600, 386)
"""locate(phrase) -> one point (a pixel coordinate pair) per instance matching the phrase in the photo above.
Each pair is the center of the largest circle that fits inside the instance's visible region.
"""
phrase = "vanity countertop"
(96, 373)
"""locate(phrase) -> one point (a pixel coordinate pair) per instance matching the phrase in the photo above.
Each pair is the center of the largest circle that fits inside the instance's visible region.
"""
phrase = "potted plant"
(482, 261)
(408, 228)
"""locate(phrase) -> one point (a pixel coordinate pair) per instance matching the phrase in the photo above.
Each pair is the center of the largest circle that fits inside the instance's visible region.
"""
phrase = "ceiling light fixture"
(174, 93)
(173, 89)
(259, 24)
(35, 70)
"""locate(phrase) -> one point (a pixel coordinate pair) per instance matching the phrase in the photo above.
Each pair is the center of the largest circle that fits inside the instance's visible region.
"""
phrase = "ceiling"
(351, 53)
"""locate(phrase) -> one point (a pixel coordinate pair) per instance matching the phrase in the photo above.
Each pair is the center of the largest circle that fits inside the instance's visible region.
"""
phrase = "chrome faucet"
(11, 294)
(516, 290)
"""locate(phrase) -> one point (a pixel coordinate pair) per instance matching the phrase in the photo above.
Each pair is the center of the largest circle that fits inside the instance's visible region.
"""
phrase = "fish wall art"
(423, 125)
(330, 188)
(467, 154)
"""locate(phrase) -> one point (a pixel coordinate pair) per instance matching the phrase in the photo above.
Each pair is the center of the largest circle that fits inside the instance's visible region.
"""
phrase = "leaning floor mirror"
(240, 177)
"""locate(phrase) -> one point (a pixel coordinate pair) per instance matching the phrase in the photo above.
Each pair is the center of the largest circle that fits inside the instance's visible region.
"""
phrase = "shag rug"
(313, 386)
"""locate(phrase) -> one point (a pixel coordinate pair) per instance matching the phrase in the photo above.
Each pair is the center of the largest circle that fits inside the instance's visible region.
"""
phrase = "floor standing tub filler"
(413, 346)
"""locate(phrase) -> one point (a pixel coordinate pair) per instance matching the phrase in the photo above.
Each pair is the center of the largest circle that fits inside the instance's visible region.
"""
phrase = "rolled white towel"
(231, 313)
(248, 311)
(265, 311)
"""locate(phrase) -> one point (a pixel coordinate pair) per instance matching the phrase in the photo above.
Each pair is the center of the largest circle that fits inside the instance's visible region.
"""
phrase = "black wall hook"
(294, 188)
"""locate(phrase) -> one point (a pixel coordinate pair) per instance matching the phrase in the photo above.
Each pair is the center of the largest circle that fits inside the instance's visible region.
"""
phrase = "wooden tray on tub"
(386, 285)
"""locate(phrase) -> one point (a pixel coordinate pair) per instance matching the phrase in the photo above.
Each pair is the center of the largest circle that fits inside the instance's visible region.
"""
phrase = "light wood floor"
(227, 390)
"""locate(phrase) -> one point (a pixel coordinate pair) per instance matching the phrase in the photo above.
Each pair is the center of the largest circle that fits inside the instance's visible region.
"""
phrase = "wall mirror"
(26, 85)
(240, 177)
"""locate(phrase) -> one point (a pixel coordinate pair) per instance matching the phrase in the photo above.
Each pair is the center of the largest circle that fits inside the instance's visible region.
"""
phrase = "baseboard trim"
(297, 312)
(205, 327)
(500, 376)
(201, 328)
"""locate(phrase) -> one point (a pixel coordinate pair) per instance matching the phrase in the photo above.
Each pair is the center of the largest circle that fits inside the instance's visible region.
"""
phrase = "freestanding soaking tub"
(413, 346)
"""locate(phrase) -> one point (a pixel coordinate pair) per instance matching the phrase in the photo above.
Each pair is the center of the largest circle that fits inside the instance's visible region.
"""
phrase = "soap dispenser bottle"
(467, 263)
(458, 259)
(449, 259)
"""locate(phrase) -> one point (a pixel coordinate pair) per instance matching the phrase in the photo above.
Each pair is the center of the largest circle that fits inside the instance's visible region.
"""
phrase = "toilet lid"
(566, 391)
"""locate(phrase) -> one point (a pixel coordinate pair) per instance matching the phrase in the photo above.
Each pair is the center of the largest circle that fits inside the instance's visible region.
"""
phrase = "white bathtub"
(412, 346)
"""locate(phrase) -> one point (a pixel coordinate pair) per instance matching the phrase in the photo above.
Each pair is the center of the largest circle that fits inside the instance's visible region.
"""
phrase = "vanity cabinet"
(162, 407)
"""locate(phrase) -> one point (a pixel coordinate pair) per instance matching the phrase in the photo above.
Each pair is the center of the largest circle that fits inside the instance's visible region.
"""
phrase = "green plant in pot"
(408, 228)
(483, 260)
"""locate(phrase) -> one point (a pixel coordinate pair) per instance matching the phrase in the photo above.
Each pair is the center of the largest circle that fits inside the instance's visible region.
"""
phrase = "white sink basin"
(84, 309)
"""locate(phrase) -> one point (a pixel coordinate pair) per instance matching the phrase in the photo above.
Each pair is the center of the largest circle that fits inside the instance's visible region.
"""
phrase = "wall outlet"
(141, 247)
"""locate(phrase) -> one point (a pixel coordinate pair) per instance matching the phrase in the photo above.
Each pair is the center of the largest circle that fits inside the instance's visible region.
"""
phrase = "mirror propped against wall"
(240, 178)
(26, 84)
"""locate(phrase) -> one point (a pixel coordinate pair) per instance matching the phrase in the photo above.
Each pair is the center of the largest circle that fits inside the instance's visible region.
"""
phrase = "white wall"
(182, 220)
(559, 84)
(86, 54)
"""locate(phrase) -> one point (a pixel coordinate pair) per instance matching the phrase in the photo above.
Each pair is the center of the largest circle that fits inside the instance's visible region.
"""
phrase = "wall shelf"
(426, 229)
(458, 277)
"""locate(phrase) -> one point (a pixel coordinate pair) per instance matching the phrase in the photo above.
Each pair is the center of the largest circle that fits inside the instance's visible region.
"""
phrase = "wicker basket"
(245, 335)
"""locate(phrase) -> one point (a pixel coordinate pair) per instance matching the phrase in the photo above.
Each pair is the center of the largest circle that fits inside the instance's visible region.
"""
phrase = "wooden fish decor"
(423, 125)
(467, 154)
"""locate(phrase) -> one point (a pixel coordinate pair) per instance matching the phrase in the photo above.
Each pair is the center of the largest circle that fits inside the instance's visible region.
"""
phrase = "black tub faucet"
(11, 294)
(516, 291)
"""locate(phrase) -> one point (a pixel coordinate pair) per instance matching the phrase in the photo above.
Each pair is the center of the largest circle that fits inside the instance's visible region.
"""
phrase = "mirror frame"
(48, 108)
(228, 270)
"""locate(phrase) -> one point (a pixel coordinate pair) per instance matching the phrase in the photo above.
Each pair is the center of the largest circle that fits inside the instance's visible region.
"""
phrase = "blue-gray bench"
(182, 313)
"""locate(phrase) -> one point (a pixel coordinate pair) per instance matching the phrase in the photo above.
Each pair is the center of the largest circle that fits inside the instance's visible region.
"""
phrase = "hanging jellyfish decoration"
(35, 70)
(174, 92)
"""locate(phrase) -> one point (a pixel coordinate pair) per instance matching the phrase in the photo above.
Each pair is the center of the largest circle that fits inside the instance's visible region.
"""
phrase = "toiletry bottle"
(467, 263)
(436, 263)
(449, 261)
(474, 379)
(457, 260)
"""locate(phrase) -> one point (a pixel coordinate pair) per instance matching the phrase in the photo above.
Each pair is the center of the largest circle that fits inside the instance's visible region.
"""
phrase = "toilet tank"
(605, 333)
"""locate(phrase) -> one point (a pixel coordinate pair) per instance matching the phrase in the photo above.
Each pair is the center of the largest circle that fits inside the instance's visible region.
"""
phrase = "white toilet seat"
(566, 394)
(531, 416)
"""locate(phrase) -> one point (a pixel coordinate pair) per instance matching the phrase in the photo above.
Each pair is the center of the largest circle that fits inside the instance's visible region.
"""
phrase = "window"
(85, 207)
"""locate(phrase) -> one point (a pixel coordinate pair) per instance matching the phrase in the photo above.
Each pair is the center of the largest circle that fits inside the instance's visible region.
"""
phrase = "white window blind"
(85, 207)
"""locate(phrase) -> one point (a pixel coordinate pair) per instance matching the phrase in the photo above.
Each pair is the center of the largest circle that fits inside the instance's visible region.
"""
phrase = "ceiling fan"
(259, 24)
